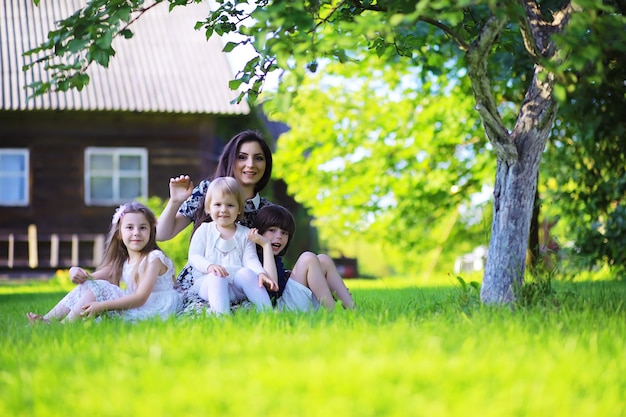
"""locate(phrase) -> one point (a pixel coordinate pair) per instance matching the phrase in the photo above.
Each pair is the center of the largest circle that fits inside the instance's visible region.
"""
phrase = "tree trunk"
(514, 194)
(519, 151)
(533, 239)
(514, 197)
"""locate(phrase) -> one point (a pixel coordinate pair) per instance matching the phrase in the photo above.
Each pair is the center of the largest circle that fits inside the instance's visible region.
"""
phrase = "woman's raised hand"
(180, 188)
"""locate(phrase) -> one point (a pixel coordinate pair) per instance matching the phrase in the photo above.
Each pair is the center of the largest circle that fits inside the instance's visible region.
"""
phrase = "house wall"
(177, 144)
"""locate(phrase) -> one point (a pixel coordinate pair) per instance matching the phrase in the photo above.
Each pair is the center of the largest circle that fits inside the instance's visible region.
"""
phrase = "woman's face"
(250, 165)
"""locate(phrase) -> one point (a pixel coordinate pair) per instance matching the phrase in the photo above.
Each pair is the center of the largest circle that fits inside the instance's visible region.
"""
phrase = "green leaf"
(101, 56)
(234, 84)
(105, 40)
(126, 33)
(230, 46)
(124, 13)
(76, 45)
(560, 93)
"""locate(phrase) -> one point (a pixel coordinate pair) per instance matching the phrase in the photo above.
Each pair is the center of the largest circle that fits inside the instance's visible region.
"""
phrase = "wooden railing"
(31, 250)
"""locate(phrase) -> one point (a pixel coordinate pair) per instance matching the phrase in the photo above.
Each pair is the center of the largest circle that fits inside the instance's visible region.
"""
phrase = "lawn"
(409, 350)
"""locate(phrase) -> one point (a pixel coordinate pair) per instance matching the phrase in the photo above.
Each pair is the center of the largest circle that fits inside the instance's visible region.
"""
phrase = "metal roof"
(167, 66)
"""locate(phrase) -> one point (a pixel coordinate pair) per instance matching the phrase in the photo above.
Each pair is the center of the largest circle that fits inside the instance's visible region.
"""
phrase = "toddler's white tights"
(220, 291)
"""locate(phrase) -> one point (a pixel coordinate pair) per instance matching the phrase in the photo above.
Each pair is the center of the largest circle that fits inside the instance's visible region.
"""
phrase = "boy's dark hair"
(276, 216)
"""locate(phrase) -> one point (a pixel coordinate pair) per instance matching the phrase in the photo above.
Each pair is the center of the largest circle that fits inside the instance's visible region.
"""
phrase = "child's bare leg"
(58, 312)
(335, 281)
(76, 312)
(35, 318)
(308, 271)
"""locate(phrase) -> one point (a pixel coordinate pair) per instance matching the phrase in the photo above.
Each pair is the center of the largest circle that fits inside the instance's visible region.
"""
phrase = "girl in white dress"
(132, 257)
(225, 265)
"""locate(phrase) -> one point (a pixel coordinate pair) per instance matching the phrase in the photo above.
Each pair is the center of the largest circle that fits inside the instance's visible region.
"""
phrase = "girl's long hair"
(115, 251)
(228, 160)
(276, 216)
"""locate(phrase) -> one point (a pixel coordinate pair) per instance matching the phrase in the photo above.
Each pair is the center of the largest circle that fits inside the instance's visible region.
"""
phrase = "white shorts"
(297, 297)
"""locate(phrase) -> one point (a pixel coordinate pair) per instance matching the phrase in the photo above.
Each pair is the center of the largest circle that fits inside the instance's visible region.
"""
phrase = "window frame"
(25, 153)
(115, 173)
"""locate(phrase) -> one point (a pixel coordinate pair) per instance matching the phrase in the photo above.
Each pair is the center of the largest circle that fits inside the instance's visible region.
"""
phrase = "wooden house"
(162, 108)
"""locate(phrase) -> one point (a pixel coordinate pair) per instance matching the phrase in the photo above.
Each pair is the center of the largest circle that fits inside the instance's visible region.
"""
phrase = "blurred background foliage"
(386, 154)
(583, 177)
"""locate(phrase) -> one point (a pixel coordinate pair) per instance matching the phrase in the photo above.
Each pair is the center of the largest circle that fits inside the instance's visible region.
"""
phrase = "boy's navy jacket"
(282, 280)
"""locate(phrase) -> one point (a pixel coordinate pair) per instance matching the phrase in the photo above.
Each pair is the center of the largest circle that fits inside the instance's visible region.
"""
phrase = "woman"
(248, 159)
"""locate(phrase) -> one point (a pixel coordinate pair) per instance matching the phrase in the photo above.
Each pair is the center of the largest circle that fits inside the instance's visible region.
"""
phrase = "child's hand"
(217, 270)
(254, 236)
(79, 275)
(264, 280)
(92, 309)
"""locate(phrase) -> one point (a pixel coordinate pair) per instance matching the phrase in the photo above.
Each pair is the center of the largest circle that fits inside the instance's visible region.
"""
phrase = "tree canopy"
(584, 173)
(388, 158)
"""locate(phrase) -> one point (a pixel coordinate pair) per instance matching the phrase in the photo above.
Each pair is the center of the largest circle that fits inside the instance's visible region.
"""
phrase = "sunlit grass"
(409, 350)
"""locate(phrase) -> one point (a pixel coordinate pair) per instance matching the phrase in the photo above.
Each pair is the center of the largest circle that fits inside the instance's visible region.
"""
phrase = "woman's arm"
(171, 222)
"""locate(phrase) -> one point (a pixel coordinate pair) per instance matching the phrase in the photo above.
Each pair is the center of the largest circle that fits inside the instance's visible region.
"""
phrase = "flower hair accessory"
(119, 212)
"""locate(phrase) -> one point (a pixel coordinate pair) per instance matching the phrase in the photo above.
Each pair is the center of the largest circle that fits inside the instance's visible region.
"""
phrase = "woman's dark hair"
(226, 167)
(276, 216)
(228, 158)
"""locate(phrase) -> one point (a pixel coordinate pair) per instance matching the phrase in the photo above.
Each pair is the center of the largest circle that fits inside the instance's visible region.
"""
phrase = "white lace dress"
(163, 302)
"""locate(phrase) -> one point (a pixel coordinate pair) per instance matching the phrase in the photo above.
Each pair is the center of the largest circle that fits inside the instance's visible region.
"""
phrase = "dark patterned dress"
(192, 303)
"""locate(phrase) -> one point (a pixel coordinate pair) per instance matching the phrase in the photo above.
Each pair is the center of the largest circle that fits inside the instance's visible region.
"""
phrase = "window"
(14, 177)
(115, 175)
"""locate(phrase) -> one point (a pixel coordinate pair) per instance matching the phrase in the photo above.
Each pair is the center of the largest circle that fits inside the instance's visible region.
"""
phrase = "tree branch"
(372, 7)
(455, 36)
(377, 8)
(332, 12)
(477, 59)
(537, 32)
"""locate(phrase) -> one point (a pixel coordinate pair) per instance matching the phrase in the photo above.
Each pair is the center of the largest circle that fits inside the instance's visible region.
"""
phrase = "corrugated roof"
(167, 66)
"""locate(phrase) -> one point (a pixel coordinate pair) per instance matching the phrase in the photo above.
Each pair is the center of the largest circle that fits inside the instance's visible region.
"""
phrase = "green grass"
(410, 350)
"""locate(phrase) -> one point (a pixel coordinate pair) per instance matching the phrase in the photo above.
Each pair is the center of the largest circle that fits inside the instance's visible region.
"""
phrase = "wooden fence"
(30, 250)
